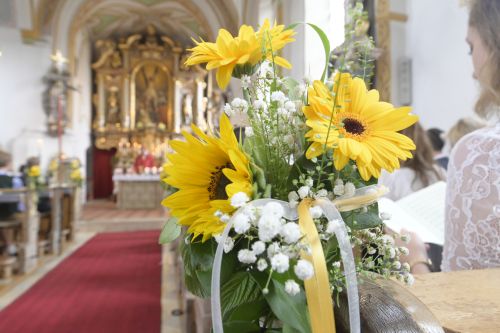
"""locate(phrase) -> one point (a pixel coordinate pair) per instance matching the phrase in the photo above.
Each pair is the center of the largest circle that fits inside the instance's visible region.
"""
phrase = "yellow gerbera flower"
(207, 171)
(361, 128)
(227, 52)
(34, 171)
(245, 49)
(279, 37)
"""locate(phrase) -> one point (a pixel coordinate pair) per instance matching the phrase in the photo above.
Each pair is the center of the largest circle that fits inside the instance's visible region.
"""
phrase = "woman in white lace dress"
(472, 226)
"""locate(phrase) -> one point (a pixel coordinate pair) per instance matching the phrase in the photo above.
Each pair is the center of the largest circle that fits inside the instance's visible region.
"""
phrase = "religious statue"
(113, 109)
(54, 99)
(187, 110)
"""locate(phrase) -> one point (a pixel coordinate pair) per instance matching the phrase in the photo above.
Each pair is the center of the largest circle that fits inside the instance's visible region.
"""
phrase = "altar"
(135, 191)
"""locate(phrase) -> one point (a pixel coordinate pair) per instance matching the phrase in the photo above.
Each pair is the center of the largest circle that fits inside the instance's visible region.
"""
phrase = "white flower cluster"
(273, 242)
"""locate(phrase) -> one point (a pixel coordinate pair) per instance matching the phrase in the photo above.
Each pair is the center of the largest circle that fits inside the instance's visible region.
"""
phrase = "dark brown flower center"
(353, 126)
(218, 182)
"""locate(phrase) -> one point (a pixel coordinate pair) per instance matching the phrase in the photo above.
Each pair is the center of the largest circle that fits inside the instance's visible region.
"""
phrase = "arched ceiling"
(172, 18)
(179, 19)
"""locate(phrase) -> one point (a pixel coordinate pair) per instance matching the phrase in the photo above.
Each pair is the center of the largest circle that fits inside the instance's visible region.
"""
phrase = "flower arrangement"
(34, 177)
(273, 211)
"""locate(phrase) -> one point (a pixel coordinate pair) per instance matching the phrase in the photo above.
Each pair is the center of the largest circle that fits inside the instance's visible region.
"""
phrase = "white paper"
(421, 212)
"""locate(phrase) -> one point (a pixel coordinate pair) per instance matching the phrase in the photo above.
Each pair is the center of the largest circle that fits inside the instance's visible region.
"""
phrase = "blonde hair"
(462, 127)
(485, 17)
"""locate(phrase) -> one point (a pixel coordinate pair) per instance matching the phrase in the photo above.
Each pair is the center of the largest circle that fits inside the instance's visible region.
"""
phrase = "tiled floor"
(104, 216)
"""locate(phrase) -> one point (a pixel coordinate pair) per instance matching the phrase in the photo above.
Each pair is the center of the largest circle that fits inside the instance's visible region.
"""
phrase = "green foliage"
(357, 219)
(236, 292)
(326, 46)
(171, 230)
(290, 310)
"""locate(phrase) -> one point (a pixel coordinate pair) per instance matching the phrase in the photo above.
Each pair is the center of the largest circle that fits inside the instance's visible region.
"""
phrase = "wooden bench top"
(462, 301)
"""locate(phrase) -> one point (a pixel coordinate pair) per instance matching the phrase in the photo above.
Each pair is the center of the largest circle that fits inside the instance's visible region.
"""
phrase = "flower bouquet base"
(386, 306)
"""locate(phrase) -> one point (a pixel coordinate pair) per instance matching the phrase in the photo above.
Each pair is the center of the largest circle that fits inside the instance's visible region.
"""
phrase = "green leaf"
(249, 311)
(241, 327)
(291, 310)
(358, 220)
(241, 288)
(326, 46)
(289, 329)
(171, 230)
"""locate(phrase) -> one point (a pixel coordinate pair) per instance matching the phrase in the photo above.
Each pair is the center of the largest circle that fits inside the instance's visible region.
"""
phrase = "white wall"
(443, 88)
(22, 119)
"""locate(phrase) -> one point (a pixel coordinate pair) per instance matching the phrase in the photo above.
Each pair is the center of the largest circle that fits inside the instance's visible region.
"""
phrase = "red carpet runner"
(111, 284)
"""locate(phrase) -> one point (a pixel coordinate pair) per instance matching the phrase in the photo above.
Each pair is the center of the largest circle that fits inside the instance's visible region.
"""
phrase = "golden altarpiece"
(144, 94)
(143, 97)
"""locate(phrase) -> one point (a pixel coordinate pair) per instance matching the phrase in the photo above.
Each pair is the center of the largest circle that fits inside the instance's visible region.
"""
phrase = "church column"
(177, 106)
(200, 119)
(125, 109)
(101, 112)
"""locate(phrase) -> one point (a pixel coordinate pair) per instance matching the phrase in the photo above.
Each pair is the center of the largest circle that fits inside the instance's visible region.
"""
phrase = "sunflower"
(207, 171)
(245, 50)
(360, 128)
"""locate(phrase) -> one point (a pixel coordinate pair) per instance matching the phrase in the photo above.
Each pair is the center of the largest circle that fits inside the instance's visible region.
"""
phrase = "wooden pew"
(25, 225)
(63, 216)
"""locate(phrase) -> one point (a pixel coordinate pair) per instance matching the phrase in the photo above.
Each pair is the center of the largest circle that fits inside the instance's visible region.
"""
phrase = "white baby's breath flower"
(405, 267)
(293, 196)
(228, 110)
(269, 227)
(225, 218)
(409, 280)
(387, 240)
(349, 189)
(218, 213)
(239, 105)
(303, 191)
(261, 264)
(332, 226)
(259, 104)
(249, 131)
(321, 194)
(228, 245)
(273, 249)
(280, 263)
(339, 181)
(396, 265)
(406, 238)
(292, 288)
(336, 264)
(404, 250)
(282, 112)
(246, 256)
(241, 223)
(258, 247)
(273, 209)
(246, 81)
(278, 96)
(391, 252)
(316, 212)
(239, 199)
(303, 269)
(309, 182)
(338, 189)
(290, 106)
(290, 232)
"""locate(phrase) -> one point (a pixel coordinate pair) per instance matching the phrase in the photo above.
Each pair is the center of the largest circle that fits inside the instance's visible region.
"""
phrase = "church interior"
(93, 93)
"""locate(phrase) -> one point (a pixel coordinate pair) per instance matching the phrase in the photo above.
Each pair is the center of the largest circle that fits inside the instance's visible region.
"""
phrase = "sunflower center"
(353, 126)
(218, 182)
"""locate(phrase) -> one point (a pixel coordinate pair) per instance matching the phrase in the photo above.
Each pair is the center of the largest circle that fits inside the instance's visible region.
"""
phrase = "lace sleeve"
(472, 227)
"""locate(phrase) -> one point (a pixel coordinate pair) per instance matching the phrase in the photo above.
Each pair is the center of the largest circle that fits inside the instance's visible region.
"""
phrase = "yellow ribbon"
(318, 294)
